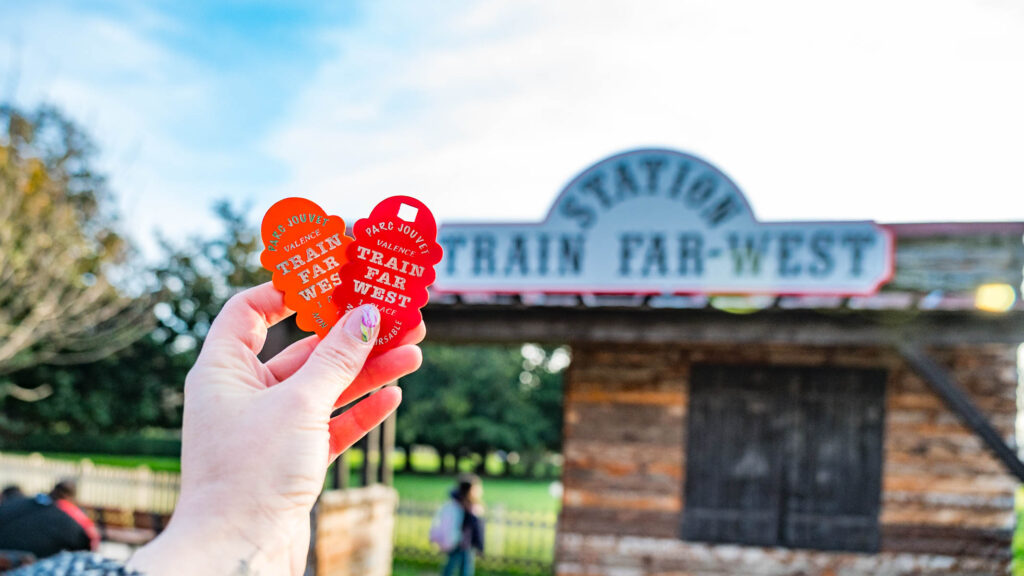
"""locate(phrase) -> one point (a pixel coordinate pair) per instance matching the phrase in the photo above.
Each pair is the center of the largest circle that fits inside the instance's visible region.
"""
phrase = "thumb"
(339, 357)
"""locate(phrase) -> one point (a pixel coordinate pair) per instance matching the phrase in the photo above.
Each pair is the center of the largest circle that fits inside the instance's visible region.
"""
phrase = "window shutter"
(733, 457)
(787, 456)
(834, 458)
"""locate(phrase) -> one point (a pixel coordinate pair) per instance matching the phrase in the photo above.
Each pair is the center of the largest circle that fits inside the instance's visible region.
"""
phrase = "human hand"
(257, 437)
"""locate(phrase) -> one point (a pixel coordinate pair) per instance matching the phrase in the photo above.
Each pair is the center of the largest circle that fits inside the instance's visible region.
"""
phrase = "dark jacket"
(39, 526)
(472, 525)
(472, 531)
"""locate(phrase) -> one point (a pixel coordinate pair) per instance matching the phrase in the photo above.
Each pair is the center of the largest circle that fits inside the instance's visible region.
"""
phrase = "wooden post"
(311, 553)
(370, 444)
(340, 472)
(387, 450)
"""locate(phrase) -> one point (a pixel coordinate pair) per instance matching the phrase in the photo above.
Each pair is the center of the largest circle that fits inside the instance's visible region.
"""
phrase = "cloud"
(485, 109)
(177, 96)
(108, 73)
(874, 110)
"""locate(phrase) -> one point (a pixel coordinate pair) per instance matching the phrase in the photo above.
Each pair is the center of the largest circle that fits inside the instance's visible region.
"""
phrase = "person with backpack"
(458, 528)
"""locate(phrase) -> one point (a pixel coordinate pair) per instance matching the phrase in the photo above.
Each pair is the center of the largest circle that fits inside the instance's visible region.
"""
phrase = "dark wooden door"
(785, 456)
(734, 459)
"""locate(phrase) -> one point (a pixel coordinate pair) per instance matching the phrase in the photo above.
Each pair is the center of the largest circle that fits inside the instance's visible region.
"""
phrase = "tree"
(199, 275)
(59, 249)
(480, 399)
(141, 385)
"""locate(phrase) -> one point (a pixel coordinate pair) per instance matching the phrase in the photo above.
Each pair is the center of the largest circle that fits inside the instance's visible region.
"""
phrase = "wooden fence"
(98, 486)
(515, 541)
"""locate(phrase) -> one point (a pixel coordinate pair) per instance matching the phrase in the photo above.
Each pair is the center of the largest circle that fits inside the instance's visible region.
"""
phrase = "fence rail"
(515, 541)
(98, 486)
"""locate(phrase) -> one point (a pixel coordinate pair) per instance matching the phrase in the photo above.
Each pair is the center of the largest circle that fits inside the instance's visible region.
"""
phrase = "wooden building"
(758, 398)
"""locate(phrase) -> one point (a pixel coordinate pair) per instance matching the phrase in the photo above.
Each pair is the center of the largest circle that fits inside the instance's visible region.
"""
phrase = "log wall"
(947, 503)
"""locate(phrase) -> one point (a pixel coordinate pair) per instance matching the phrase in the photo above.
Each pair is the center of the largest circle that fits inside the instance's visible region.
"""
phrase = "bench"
(133, 528)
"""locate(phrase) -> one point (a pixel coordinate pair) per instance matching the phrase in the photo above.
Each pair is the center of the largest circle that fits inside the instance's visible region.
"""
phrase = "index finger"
(247, 316)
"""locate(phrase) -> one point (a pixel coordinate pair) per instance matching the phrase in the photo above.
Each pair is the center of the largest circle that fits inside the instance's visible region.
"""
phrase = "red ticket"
(390, 264)
(305, 250)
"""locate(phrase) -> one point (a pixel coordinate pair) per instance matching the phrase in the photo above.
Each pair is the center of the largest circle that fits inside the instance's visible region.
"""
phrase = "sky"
(888, 111)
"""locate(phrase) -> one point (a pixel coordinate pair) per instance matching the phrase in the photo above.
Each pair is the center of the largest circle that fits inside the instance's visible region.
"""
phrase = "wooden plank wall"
(957, 263)
(943, 491)
(944, 496)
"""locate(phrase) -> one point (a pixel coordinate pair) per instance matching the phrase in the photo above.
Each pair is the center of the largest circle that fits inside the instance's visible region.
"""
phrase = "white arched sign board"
(659, 221)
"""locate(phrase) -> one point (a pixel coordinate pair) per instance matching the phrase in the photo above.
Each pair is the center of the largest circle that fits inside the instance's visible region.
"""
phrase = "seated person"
(46, 524)
(11, 492)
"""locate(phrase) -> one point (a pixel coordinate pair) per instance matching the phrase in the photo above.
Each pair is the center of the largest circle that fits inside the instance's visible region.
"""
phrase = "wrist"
(200, 547)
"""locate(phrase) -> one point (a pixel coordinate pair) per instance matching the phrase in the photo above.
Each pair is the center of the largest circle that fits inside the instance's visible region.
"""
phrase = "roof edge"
(910, 229)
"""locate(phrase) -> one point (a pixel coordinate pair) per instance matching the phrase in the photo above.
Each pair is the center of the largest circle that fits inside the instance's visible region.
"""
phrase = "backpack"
(446, 527)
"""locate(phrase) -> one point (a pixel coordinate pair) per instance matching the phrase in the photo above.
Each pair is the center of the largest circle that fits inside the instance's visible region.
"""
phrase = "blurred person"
(257, 440)
(13, 558)
(63, 495)
(458, 527)
(10, 493)
(47, 524)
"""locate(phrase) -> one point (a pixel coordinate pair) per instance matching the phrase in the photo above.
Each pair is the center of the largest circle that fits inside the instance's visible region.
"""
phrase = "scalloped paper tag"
(390, 265)
(305, 250)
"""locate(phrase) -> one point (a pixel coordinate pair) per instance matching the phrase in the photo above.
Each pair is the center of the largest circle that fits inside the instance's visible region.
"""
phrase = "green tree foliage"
(199, 275)
(481, 399)
(141, 386)
(59, 249)
(136, 388)
(465, 399)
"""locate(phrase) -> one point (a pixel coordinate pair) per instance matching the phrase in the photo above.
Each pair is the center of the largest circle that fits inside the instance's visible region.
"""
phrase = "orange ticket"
(305, 249)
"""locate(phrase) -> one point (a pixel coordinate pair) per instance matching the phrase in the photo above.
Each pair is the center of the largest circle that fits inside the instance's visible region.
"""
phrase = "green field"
(512, 493)
(155, 463)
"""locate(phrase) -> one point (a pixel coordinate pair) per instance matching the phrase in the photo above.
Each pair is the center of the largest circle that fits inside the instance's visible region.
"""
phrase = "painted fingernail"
(362, 324)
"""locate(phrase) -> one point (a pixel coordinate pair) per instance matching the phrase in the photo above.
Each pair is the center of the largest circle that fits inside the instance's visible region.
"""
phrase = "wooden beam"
(960, 403)
(370, 444)
(311, 552)
(387, 450)
(340, 472)
(493, 324)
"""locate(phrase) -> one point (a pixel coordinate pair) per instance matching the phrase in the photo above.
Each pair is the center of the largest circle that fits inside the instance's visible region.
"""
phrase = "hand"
(257, 438)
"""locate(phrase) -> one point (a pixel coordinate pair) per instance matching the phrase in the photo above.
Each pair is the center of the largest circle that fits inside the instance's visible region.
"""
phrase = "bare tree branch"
(58, 248)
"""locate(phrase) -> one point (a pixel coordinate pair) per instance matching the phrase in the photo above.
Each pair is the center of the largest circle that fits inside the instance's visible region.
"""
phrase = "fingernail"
(363, 323)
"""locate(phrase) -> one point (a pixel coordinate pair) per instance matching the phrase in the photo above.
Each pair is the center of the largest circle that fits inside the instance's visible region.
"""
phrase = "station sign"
(657, 221)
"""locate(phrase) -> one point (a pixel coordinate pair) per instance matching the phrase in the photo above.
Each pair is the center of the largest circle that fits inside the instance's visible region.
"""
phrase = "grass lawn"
(512, 493)
(155, 463)
(404, 568)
